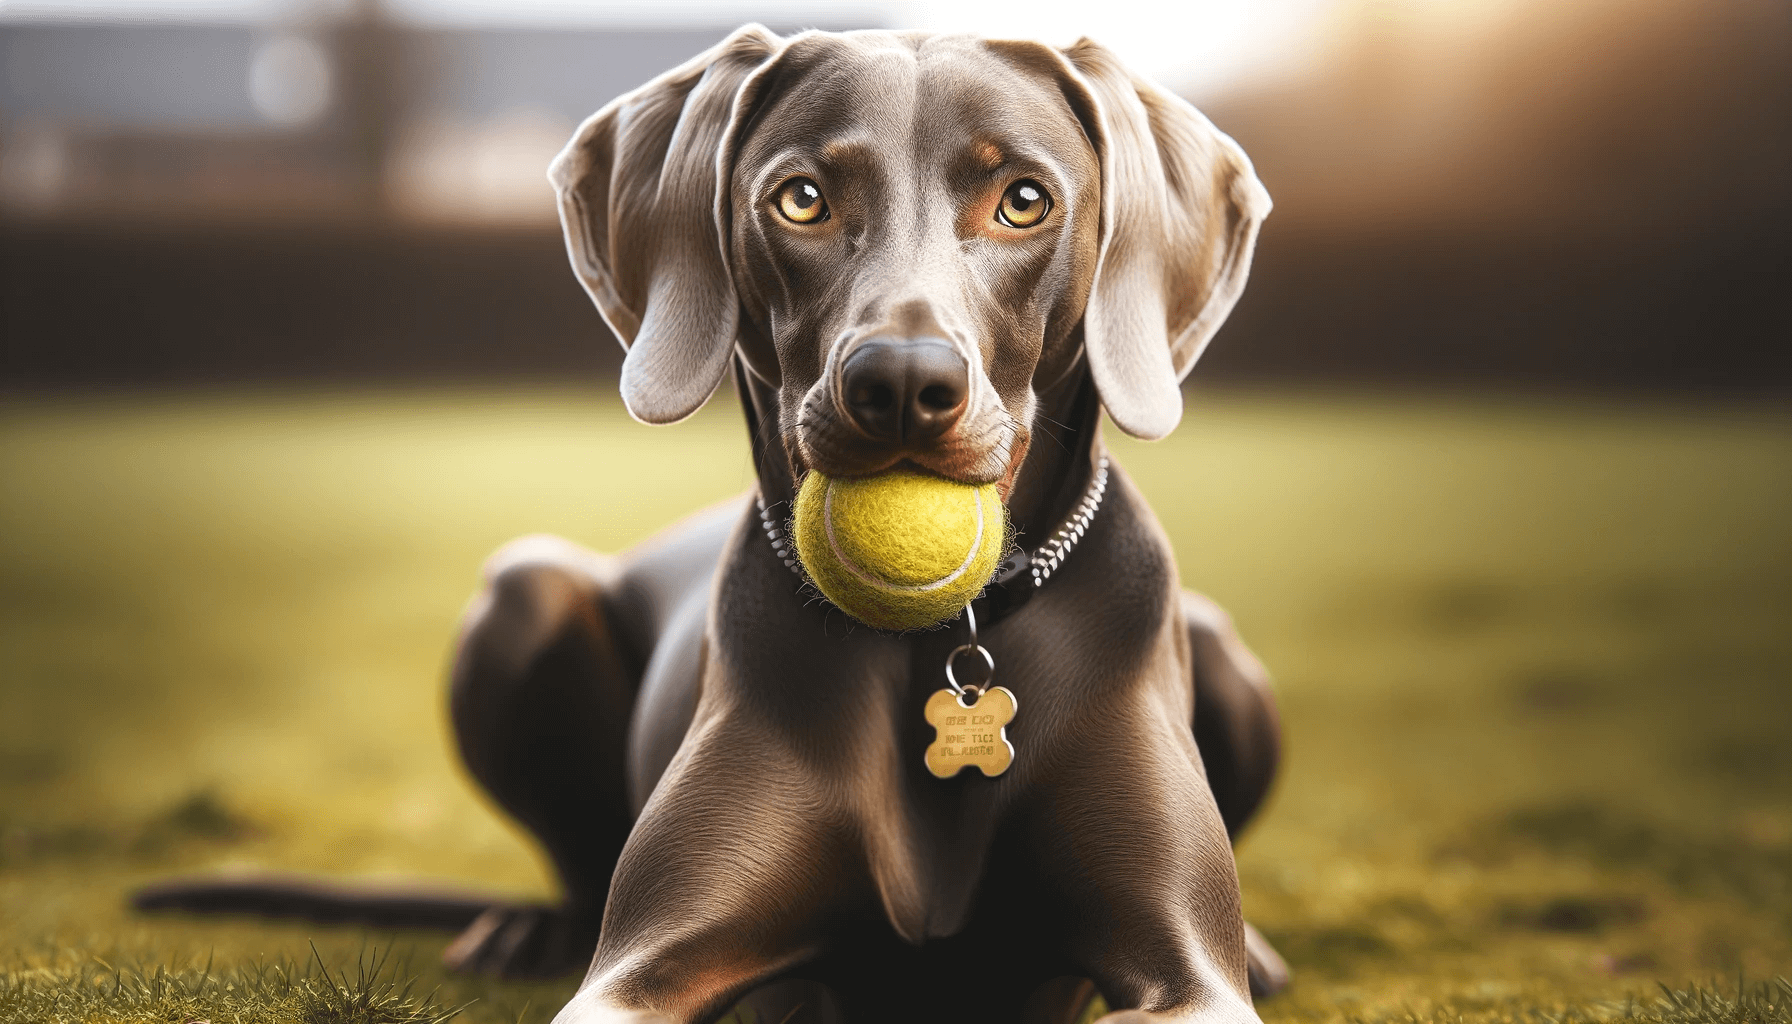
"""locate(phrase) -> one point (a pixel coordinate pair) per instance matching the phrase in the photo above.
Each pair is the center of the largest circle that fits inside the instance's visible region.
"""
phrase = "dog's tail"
(290, 896)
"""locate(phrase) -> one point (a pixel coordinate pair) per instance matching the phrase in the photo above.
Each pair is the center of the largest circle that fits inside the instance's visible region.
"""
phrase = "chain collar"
(1053, 552)
(1016, 578)
(774, 532)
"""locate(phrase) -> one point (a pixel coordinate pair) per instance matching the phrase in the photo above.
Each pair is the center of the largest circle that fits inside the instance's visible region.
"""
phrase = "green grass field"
(1534, 656)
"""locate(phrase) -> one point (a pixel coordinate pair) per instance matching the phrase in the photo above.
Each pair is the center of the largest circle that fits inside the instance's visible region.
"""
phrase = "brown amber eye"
(800, 202)
(1024, 204)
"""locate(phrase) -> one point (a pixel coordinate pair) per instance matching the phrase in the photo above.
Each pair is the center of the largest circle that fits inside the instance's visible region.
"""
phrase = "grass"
(1533, 658)
(377, 991)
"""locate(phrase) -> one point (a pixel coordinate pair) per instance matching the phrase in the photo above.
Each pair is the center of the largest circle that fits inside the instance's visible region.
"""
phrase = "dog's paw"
(524, 941)
(590, 1007)
(1234, 1011)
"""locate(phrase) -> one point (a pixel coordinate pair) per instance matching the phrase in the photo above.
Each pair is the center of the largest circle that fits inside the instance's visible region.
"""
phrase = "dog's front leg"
(1146, 868)
(722, 885)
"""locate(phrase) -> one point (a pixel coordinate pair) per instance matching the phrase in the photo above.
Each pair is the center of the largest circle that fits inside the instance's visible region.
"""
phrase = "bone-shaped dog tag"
(970, 734)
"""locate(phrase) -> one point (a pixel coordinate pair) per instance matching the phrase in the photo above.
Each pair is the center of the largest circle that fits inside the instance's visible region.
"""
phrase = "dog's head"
(911, 237)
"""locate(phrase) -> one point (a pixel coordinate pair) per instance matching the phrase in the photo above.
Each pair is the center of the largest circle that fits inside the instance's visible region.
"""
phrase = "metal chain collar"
(1044, 560)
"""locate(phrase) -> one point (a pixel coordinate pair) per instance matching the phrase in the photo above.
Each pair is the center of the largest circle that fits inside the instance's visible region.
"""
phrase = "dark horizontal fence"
(92, 305)
(1626, 309)
(211, 305)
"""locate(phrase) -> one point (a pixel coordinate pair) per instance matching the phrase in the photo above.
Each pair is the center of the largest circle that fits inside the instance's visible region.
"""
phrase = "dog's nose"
(905, 391)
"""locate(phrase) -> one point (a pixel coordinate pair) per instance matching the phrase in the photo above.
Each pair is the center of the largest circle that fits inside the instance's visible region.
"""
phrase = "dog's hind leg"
(544, 682)
(1237, 725)
(1239, 733)
(540, 695)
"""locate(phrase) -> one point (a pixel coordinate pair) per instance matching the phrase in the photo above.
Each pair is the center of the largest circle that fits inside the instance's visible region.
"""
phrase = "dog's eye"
(800, 201)
(1024, 204)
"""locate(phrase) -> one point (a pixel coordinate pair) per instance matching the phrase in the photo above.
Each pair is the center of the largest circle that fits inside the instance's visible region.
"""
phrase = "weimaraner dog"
(908, 248)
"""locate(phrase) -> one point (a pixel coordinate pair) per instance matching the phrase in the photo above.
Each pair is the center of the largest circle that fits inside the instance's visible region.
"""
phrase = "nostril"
(872, 396)
(939, 397)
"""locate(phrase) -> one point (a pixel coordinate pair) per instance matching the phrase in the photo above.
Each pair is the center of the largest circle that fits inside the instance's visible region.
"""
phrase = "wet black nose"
(905, 390)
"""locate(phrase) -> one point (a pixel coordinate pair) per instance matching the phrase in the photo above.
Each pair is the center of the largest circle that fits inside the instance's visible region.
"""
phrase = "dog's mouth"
(996, 460)
(913, 465)
(910, 396)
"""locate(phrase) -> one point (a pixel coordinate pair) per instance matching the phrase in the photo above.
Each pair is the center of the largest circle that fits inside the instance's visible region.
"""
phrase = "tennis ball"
(901, 549)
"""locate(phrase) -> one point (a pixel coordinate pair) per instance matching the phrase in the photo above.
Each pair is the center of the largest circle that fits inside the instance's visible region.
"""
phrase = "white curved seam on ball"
(827, 515)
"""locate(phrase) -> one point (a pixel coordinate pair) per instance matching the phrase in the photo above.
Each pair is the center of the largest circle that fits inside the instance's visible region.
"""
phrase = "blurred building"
(350, 118)
(338, 198)
(1495, 191)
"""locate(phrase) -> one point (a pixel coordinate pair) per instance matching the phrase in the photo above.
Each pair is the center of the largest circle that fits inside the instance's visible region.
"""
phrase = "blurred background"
(1589, 194)
(1492, 464)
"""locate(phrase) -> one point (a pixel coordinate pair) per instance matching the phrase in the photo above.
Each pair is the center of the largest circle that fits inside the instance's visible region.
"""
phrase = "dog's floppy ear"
(1179, 216)
(638, 187)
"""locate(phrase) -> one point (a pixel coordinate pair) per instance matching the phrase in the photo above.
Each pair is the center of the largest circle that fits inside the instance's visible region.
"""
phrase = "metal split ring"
(989, 661)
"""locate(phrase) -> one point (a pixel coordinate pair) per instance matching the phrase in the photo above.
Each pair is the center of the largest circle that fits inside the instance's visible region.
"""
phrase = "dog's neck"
(1066, 444)
(1060, 460)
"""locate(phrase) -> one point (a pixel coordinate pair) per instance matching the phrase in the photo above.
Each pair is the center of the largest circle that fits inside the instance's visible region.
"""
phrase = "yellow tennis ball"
(901, 549)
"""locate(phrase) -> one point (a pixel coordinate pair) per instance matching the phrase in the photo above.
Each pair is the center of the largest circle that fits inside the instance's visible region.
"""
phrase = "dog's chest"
(927, 839)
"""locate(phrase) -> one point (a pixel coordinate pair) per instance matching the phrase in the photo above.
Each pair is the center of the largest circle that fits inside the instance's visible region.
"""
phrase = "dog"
(906, 249)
